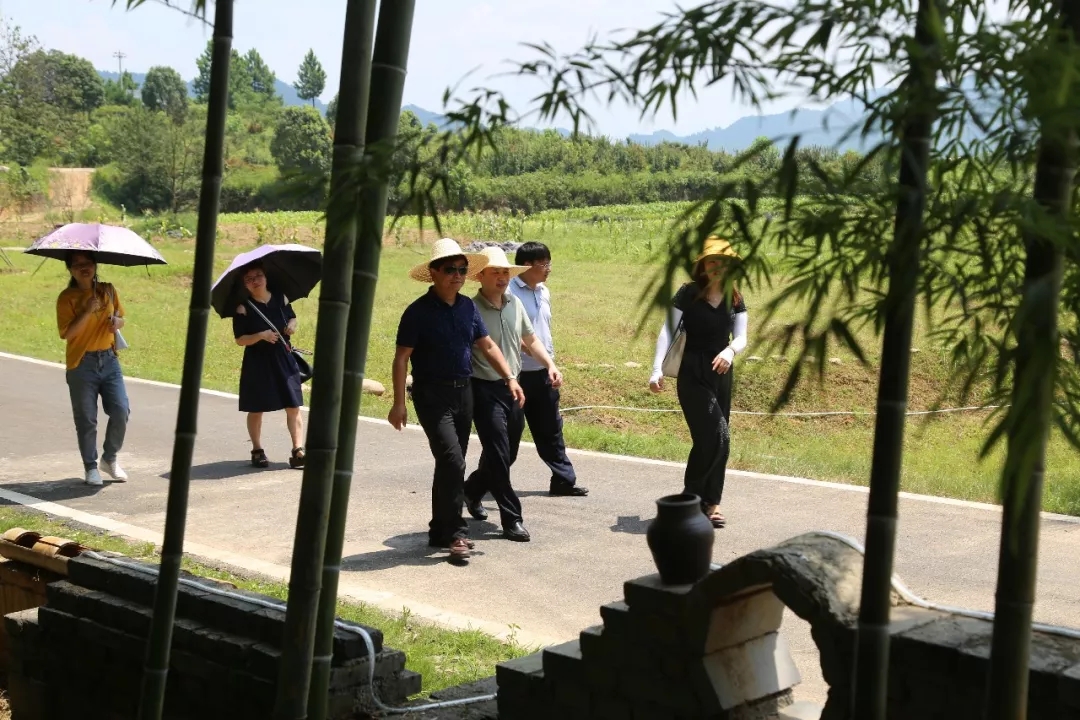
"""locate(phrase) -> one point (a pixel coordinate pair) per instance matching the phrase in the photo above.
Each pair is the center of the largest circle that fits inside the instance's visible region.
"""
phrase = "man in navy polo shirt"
(437, 334)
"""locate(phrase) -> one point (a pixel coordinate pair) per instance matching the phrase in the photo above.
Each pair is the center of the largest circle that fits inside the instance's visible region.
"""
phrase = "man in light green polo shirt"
(499, 419)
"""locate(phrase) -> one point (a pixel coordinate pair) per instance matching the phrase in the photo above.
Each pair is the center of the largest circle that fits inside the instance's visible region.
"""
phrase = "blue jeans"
(98, 374)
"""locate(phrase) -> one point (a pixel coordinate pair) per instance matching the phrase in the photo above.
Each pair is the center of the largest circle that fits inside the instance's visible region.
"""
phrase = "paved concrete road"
(582, 549)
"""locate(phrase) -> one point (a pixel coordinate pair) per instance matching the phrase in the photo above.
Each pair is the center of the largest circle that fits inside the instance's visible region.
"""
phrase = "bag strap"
(267, 321)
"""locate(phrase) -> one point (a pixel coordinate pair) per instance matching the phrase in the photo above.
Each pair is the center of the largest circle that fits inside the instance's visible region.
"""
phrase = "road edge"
(746, 474)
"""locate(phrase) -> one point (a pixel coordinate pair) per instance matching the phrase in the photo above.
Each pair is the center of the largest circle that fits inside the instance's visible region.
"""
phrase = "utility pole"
(120, 55)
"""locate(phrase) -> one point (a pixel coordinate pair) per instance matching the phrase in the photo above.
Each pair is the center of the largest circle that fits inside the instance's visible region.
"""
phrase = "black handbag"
(303, 367)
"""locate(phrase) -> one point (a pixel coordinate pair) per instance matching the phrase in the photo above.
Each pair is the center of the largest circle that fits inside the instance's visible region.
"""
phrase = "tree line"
(146, 142)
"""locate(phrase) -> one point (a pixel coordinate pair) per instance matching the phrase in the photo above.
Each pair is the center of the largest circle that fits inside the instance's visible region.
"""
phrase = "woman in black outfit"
(715, 333)
(269, 377)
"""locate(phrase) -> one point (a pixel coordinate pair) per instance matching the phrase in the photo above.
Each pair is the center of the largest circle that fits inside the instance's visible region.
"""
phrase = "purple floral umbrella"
(110, 244)
(292, 270)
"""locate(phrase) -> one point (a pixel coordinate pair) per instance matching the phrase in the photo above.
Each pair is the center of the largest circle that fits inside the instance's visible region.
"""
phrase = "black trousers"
(446, 412)
(499, 423)
(705, 398)
(545, 424)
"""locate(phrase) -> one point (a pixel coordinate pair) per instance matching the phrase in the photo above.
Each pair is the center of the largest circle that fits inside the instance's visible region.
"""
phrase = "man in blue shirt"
(437, 333)
(542, 410)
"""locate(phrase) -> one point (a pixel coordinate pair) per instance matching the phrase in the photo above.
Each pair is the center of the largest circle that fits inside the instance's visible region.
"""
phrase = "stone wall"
(81, 655)
(713, 650)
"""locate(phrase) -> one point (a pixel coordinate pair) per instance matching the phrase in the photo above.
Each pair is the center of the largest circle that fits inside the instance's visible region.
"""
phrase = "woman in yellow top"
(87, 314)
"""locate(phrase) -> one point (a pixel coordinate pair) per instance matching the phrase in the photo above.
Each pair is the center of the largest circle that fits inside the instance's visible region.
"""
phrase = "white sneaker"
(115, 471)
(93, 477)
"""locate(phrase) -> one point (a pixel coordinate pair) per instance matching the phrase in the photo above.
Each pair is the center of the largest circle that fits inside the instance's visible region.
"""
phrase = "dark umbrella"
(110, 244)
(292, 270)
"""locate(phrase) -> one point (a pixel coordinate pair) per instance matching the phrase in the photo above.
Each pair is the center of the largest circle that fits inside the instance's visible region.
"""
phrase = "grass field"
(443, 657)
(600, 267)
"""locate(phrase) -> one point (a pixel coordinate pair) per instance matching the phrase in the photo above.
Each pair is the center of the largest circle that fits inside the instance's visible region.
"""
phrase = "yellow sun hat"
(716, 247)
(447, 247)
(496, 258)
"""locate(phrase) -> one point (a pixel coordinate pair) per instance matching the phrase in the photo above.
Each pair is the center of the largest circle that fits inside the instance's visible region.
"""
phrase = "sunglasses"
(462, 270)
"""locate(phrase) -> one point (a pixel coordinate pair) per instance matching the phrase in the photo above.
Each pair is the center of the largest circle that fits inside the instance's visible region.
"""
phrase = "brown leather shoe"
(459, 551)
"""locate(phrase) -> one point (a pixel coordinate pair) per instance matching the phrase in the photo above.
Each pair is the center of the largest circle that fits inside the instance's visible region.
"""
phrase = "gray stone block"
(563, 662)
(120, 581)
(241, 616)
(126, 645)
(21, 623)
(592, 642)
(520, 678)
(617, 626)
(355, 672)
(649, 595)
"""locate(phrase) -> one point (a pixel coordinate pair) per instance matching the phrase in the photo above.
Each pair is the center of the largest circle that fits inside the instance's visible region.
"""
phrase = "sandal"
(296, 460)
(259, 459)
(715, 516)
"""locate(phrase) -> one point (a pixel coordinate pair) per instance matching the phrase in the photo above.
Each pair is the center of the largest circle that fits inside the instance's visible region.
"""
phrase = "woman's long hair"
(702, 280)
(69, 260)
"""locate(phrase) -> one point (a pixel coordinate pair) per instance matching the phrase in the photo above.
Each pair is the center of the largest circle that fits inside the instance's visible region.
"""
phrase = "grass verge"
(443, 657)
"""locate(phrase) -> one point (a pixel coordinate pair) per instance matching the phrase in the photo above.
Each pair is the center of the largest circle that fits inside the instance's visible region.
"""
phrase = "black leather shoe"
(447, 543)
(568, 490)
(476, 509)
(517, 533)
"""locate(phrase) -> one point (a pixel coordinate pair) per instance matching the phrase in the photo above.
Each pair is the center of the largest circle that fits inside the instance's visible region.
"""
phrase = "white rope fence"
(820, 413)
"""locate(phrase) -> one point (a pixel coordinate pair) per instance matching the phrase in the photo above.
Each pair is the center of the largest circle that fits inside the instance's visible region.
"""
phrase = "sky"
(466, 42)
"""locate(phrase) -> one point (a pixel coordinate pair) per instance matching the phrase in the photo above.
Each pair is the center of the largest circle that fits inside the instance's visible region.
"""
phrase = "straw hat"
(716, 247)
(496, 258)
(445, 248)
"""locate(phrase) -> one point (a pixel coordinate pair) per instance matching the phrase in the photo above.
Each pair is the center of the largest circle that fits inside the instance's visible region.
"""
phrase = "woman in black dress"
(269, 377)
(715, 333)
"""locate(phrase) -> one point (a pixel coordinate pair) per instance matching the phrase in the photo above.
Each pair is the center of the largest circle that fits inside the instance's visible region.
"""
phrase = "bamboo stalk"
(156, 668)
(349, 130)
(387, 86)
(870, 669)
(309, 545)
(1037, 357)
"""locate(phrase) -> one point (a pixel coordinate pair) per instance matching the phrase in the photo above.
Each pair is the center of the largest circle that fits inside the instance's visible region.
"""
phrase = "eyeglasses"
(253, 278)
(462, 270)
(82, 266)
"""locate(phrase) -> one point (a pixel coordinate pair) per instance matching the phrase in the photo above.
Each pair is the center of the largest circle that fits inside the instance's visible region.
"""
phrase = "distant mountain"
(816, 127)
(286, 91)
(426, 117)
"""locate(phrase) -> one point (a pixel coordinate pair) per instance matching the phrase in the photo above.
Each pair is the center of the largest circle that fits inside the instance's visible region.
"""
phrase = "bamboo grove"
(971, 218)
